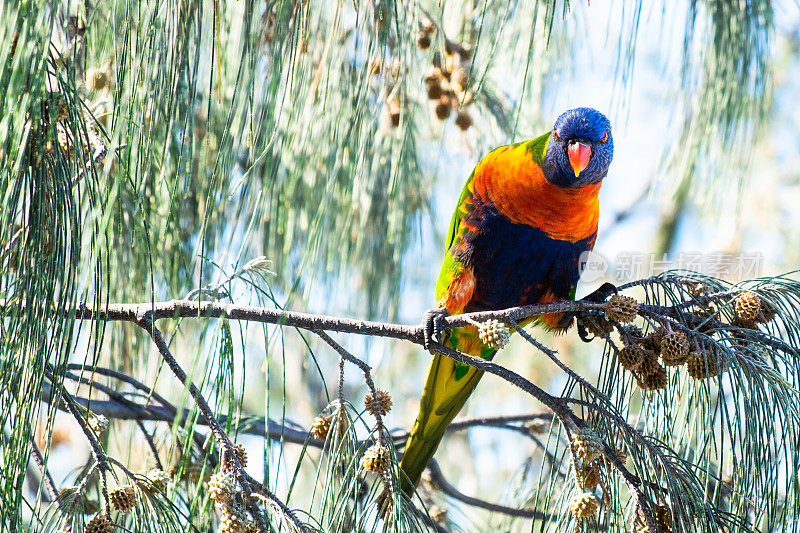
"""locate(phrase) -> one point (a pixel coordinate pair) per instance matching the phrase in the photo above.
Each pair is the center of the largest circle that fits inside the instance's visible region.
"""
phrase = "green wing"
(451, 267)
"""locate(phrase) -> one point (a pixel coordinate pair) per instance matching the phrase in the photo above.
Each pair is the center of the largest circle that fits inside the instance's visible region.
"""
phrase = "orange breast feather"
(515, 184)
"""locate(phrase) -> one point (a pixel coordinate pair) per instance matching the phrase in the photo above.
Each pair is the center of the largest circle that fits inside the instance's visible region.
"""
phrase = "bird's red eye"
(605, 137)
(555, 135)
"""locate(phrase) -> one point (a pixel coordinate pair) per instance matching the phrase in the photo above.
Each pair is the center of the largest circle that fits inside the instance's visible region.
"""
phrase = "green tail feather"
(447, 387)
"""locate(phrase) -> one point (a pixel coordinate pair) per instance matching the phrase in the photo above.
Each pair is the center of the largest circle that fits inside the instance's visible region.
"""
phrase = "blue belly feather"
(515, 264)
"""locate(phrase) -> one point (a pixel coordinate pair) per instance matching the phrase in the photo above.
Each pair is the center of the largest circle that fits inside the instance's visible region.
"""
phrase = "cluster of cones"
(124, 498)
(648, 355)
(448, 82)
(223, 489)
(588, 449)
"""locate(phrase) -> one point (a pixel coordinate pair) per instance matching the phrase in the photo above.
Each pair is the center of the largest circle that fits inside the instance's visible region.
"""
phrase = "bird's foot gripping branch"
(692, 377)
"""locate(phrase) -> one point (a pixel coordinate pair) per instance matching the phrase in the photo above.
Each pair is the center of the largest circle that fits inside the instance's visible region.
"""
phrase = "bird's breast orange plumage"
(517, 187)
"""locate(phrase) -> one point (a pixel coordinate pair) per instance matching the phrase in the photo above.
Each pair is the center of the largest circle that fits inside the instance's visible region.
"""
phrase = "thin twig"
(47, 479)
(552, 355)
(151, 443)
(443, 485)
(557, 405)
(133, 411)
(124, 378)
(224, 442)
(97, 450)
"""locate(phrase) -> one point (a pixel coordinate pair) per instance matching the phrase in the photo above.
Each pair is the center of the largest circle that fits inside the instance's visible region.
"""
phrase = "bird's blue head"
(580, 148)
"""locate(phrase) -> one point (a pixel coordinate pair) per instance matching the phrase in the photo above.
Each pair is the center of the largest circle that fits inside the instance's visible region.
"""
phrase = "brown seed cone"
(587, 444)
(654, 379)
(434, 91)
(702, 366)
(394, 119)
(589, 477)
(241, 455)
(99, 524)
(385, 502)
(321, 426)
(123, 499)
(380, 404)
(649, 364)
(663, 518)
(376, 459)
(158, 479)
(583, 505)
(222, 487)
(434, 78)
(647, 343)
(622, 308)
(747, 306)
(423, 40)
(232, 518)
(598, 326)
(634, 334)
(674, 348)
(696, 288)
(443, 107)
(438, 514)
(631, 357)
(463, 120)
(96, 79)
(656, 335)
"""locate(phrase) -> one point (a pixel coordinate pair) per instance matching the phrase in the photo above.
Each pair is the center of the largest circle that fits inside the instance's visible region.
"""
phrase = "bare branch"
(47, 479)
(191, 309)
(438, 480)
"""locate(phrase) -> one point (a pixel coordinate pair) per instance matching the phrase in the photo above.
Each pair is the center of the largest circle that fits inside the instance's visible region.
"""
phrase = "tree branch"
(47, 479)
(438, 480)
(191, 309)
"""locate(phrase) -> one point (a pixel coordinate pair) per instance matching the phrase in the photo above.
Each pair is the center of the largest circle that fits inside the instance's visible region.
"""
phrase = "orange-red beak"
(579, 154)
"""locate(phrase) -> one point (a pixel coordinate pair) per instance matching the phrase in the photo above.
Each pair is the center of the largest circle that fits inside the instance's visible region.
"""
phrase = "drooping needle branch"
(137, 312)
(128, 410)
(145, 314)
(223, 441)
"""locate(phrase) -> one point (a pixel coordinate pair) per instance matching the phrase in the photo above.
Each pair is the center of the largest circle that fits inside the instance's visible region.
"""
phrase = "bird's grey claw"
(433, 322)
(604, 291)
(582, 333)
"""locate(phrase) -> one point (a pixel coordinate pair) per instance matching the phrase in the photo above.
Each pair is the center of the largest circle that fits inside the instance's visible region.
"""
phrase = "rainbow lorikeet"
(526, 214)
